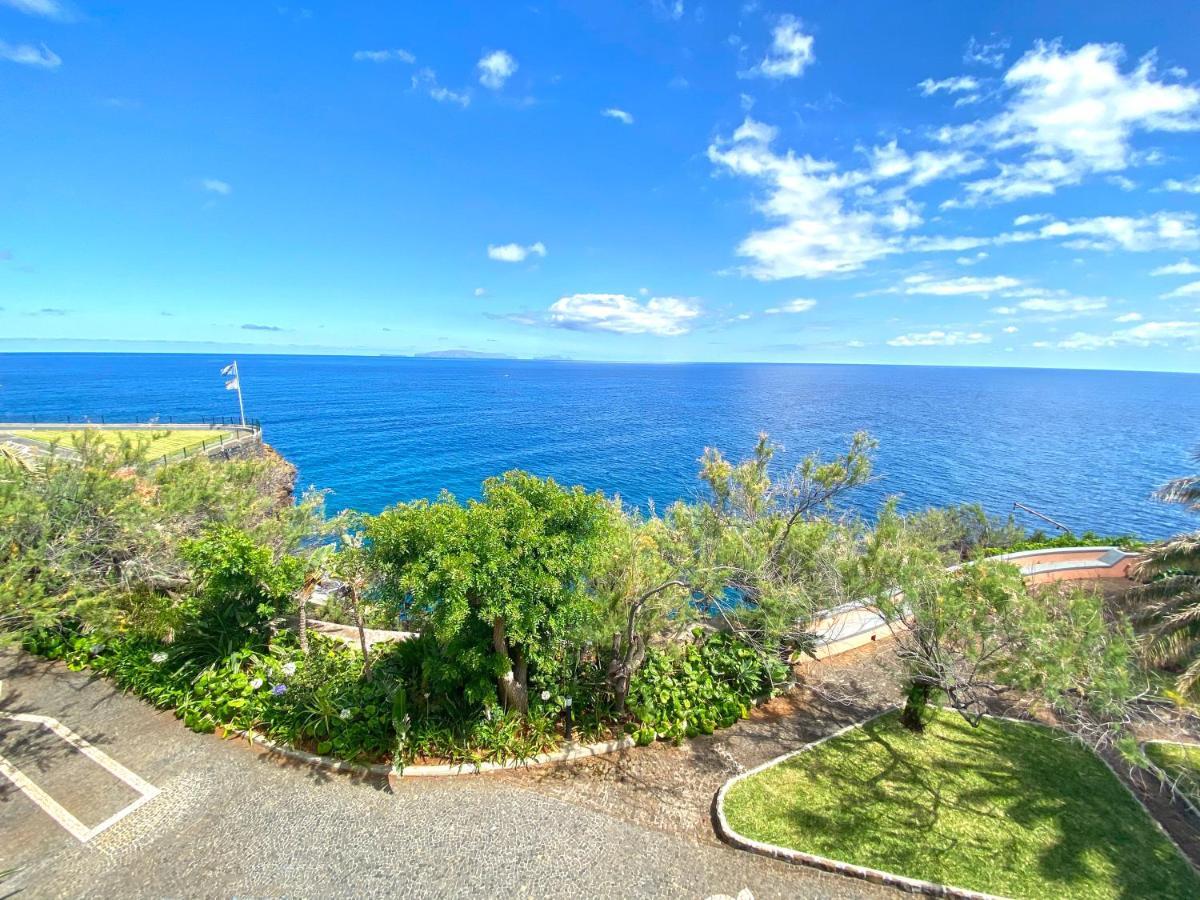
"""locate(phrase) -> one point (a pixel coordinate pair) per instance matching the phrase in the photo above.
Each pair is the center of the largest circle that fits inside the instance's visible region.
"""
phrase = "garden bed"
(1006, 808)
(1178, 766)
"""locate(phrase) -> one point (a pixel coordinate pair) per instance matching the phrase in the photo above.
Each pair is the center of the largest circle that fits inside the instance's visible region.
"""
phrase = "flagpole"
(237, 377)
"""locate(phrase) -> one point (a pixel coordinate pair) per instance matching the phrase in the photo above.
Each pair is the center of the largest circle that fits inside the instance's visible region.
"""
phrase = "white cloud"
(940, 339)
(819, 234)
(1073, 114)
(792, 306)
(479, 292)
(1011, 329)
(515, 252)
(427, 78)
(1157, 231)
(663, 316)
(1191, 289)
(380, 56)
(495, 68)
(619, 114)
(951, 287)
(957, 85)
(986, 54)
(49, 9)
(27, 55)
(1129, 317)
(1189, 186)
(1125, 184)
(791, 51)
(1183, 267)
(1070, 305)
(1145, 335)
(890, 161)
(216, 186)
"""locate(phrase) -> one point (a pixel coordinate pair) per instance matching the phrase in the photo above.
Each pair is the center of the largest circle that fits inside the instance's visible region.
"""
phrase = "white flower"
(289, 668)
(344, 714)
(256, 684)
(158, 658)
(545, 695)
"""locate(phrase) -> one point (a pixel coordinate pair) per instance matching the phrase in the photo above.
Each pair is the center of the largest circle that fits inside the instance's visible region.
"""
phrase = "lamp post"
(568, 724)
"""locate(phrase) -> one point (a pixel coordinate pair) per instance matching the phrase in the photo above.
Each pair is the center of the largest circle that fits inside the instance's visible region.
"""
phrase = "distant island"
(478, 354)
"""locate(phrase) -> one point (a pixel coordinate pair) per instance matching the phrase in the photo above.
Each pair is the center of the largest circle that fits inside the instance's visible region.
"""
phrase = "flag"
(231, 384)
(228, 370)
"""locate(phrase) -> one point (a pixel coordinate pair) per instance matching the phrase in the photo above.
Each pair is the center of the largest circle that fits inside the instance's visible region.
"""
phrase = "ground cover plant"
(1005, 808)
(1179, 765)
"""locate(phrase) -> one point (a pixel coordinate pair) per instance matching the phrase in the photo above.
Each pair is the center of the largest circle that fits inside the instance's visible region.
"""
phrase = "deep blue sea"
(1086, 448)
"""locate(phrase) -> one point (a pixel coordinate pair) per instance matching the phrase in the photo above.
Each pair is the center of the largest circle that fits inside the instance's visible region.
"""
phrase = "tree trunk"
(511, 684)
(362, 634)
(915, 706)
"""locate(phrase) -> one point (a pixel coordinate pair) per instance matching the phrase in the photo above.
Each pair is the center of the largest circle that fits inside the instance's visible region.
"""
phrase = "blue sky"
(926, 183)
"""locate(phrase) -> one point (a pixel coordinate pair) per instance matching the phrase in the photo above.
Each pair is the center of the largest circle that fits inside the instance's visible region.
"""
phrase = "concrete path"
(221, 821)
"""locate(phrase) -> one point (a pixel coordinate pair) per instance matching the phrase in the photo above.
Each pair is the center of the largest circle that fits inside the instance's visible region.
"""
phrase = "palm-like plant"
(1169, 596)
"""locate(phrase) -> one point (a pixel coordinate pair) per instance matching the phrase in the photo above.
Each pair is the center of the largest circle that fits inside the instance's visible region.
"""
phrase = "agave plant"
(1169, 596)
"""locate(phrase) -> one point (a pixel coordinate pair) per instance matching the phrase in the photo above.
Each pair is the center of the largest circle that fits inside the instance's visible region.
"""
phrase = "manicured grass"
(164, 442)
(1005, 808)
(1181, 763)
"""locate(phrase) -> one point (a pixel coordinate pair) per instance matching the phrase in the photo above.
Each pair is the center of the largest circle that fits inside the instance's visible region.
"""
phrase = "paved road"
(227, 822)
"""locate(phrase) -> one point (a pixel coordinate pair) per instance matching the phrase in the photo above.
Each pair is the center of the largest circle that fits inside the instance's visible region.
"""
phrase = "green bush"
(1039, 540)
(684, 691)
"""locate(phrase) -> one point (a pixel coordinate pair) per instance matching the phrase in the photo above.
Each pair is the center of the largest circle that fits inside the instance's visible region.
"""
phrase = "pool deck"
(852, 625)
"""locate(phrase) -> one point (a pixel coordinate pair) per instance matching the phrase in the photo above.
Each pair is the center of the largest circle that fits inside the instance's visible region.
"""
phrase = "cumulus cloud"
(790, 54)
(619, 313)
(1129, 317)
(1072, 114)
(619, 114)
(1191, 289)
(1188, 186)
(1148, 334)
(1183, 267)
(515, 253)
(1157, 231)
(379, 56)
(792, 306)
(495, 68)
(940, 339)
(952, 287)
(41, 57)
(1067, 305)
(426, 79)
(216, 186)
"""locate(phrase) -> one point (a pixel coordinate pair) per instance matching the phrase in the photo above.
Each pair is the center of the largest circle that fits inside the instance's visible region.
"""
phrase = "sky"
(929, 183)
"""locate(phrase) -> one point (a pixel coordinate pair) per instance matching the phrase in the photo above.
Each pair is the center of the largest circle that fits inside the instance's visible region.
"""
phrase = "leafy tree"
(1169, 598)
(971, 634)
(353, 565)
(513, 565)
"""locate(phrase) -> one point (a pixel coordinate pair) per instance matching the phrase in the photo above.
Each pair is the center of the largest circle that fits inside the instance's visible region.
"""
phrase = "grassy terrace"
(1004, 808)
(158, 442)
(1181, 764)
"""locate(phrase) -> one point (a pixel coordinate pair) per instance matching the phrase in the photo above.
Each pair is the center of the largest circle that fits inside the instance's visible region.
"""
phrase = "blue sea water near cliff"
(1085, 447)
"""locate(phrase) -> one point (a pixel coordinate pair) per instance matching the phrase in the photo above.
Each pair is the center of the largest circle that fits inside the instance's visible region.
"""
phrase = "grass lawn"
(1181, 763)
(1005, 808)
(158, 442)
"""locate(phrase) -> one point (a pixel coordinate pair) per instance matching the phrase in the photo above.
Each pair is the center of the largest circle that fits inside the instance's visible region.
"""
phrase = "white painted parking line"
(52, 807)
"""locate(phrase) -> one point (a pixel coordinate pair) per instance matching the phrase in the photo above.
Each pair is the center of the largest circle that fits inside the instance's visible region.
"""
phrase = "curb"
(1165, 779)
(450, 770)
(264, 746)
(877, 876)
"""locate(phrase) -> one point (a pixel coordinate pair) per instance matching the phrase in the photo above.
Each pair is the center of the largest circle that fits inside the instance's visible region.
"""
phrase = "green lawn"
(158, 442)
(1181, 763)
(1004, 808)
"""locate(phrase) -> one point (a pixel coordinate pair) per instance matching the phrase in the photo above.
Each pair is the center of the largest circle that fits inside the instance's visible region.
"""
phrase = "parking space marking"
(52, 807)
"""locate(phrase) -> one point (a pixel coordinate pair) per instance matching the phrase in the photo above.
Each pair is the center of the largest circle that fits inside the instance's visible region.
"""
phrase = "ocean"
(1084, 447)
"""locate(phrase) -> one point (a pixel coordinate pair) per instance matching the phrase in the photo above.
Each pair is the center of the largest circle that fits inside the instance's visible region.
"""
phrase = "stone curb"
(876, 876)
(384, 771)
(1165, 779)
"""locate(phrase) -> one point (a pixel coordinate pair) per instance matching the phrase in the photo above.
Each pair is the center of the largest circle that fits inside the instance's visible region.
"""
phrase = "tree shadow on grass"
(1002, 798)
